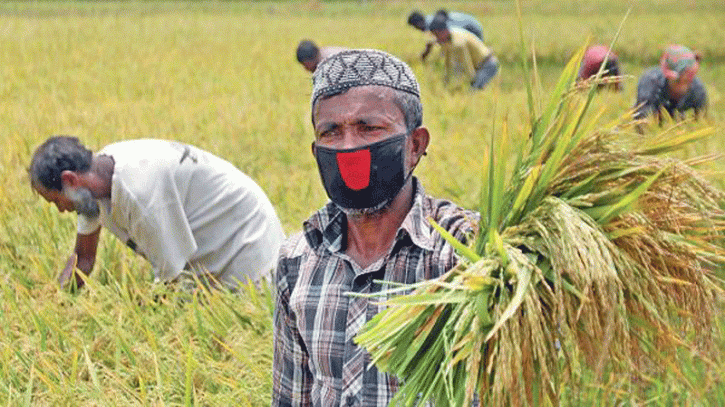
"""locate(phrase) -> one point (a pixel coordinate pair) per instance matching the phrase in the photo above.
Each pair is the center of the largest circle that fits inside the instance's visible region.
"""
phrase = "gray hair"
(411, 107)
(55, 155)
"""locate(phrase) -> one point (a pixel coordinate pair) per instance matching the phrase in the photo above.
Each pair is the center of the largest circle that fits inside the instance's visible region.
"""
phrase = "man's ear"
(419, 139)
(69, 178)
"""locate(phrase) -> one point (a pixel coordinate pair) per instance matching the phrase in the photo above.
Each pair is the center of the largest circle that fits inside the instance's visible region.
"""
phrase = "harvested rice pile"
(598, 250)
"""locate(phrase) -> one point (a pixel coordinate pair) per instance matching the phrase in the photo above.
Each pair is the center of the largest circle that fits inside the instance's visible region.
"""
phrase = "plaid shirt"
(316, 362)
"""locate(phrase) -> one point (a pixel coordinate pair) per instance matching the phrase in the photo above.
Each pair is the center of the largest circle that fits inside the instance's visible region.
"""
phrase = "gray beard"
(361, 212)
(375, 210)
(84, 202)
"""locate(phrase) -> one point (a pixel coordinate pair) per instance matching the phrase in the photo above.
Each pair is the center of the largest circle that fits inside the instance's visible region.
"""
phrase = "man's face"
(78, 200)
(681, 84)
(83, 201)
(442, 35)
(310, 65)
(360, 116)
(56, 197)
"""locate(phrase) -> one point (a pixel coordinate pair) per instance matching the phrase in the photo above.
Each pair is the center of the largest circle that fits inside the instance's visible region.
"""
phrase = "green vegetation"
(594, 255)
(223, 76)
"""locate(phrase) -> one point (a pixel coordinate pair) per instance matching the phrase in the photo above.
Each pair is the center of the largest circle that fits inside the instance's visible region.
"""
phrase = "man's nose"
(350, 139)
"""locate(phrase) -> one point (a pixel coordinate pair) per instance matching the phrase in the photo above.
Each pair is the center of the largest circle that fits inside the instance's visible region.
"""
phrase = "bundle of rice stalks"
(592, 251)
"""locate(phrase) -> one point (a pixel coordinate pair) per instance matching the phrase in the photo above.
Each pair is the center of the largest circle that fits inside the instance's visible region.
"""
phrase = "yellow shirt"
(464, 53)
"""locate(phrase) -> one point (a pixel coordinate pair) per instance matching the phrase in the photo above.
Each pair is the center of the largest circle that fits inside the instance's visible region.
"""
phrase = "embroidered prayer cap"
(362, 67)
(678, 59)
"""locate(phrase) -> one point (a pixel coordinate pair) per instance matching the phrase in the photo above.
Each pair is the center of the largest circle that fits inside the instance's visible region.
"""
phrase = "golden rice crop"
(598, 250)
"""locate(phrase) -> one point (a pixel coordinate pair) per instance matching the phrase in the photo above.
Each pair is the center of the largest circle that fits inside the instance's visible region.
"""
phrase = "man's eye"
(327, 134)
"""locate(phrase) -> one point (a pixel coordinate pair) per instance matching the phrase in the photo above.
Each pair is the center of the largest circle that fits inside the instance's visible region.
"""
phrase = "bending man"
(453, 18)
(309, 54)
(465, 55)
(672, 86)
(594, 57)
(185, 210)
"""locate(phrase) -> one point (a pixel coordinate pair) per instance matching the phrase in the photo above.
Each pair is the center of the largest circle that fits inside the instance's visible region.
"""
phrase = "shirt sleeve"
(463, 57)
(648, 95)
(161, 231)
(291, 376)
(467, 61)
(474, 29)
(446, 49)
(697, 97)
(86, 225)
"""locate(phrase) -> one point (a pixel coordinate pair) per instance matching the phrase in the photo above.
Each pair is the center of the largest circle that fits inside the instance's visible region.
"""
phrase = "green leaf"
(581, 188)
(464, 250)
(189, 384)
(445, 297)
(524, 194)
(523, 282)
(497, 244)
(525, 68)
(624, 204)
(668, 144)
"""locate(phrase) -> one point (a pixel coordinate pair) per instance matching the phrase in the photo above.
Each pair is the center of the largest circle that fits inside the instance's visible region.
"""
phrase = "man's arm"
(699, 98)
(448, 65)
(291, 376)
(648, 90)
(426, 51)
(467, 61)
(84, 258)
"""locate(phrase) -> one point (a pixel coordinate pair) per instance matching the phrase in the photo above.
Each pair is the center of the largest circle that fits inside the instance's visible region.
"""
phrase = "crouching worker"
(310, 55)
(464, 54)
(672, 86)
(592, 61)
(188, 212)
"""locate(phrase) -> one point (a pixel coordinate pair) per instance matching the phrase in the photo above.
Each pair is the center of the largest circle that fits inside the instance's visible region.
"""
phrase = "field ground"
(223, 76)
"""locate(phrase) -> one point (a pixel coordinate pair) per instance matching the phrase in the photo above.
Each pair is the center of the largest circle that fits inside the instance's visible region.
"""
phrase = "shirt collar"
(326, 227)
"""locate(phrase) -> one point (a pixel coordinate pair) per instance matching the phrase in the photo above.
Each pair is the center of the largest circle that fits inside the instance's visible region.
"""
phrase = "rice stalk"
(599, 252)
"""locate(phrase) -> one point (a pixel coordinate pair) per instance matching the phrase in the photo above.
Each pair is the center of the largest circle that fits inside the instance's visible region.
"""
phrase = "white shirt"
(183, 208)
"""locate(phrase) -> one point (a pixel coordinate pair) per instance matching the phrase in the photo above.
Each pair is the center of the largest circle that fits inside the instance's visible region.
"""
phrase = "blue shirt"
(652, 95)
(460, 20)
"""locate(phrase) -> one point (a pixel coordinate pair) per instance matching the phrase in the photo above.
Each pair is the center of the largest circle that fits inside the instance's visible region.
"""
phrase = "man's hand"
(68, 273)
(83, 258)
(426, 51)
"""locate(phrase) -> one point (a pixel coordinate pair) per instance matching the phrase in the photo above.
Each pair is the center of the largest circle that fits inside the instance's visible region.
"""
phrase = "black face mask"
(364, 177)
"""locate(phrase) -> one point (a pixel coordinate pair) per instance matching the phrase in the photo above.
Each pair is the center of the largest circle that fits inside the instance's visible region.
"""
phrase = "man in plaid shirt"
(367, 118)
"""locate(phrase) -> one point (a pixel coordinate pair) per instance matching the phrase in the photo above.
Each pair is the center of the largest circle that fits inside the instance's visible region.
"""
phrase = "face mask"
(364, 177)
(83, 202)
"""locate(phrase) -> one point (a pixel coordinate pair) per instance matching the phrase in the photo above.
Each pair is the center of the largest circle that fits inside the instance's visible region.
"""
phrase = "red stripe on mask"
(355, 169)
